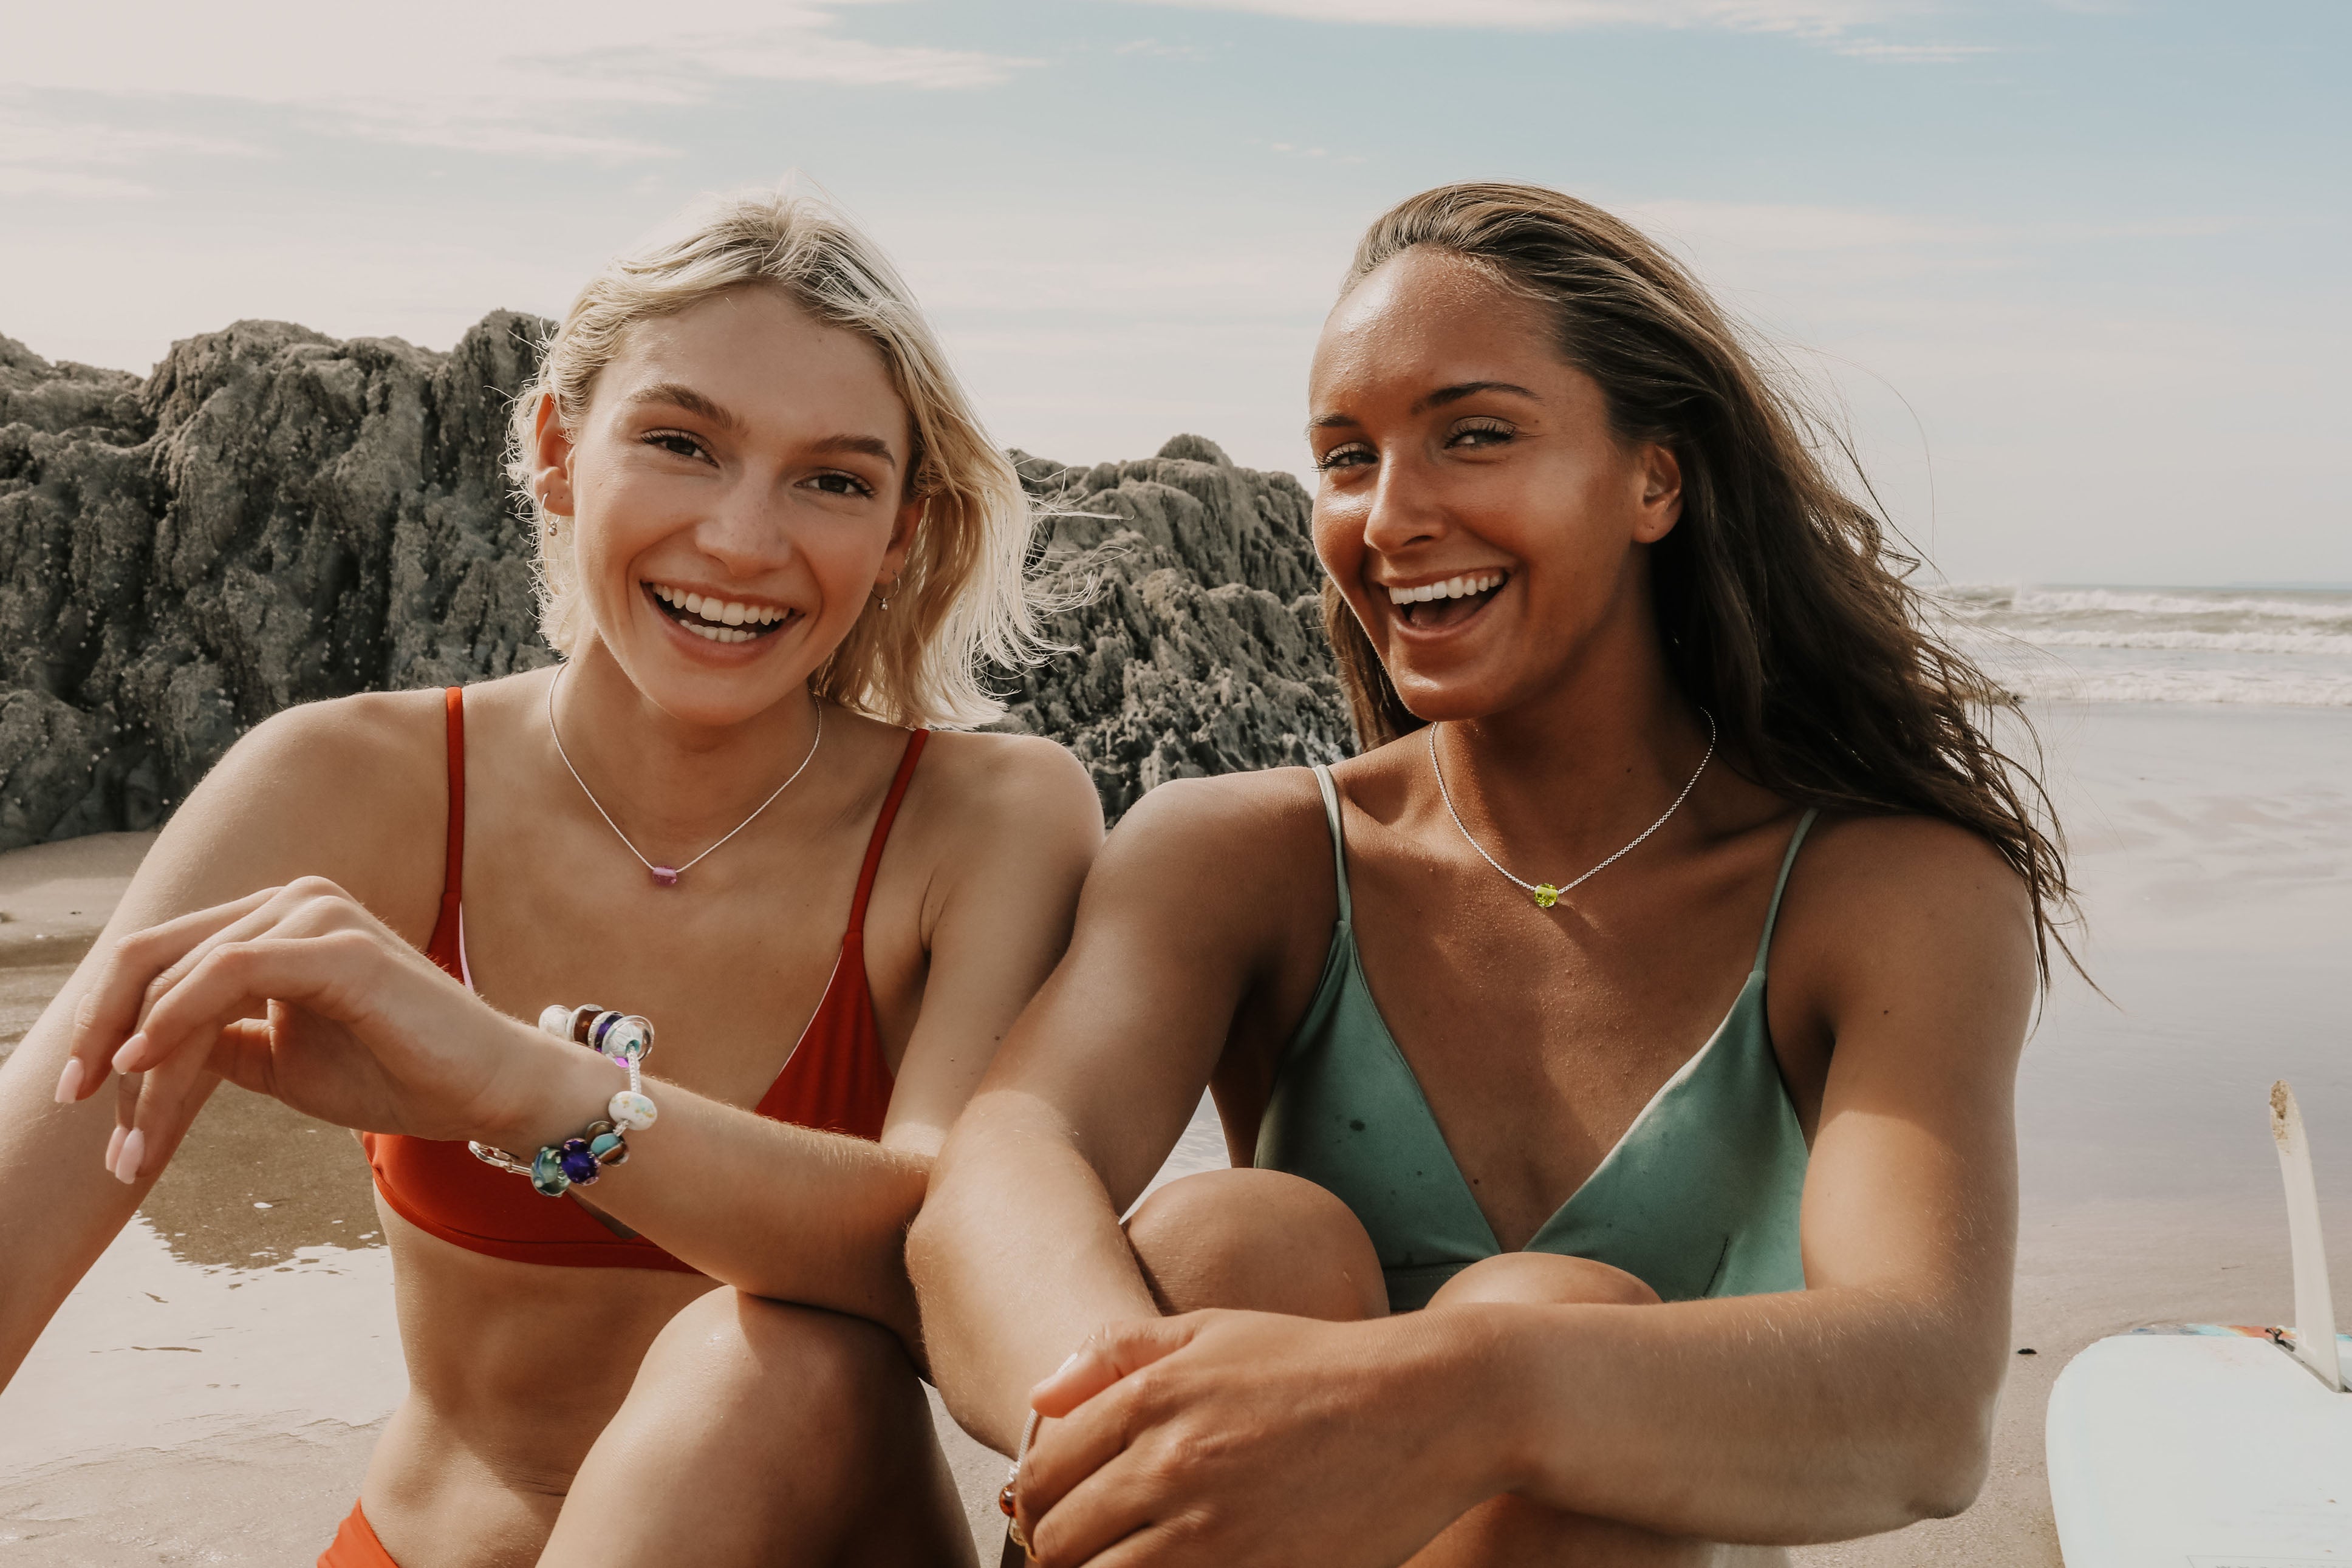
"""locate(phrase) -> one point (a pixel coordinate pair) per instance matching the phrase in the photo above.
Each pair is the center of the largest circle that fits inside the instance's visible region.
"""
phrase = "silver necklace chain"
(1544, 894)
(666, 877)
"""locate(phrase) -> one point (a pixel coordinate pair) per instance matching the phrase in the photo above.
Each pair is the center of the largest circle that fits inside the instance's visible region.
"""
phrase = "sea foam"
(2289, 647)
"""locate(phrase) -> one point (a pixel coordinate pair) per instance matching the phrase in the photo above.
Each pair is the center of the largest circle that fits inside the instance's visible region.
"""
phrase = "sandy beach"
(209, 1393)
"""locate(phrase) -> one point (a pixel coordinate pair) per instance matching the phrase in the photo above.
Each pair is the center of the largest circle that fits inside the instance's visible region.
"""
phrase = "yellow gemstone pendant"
(1547, 895)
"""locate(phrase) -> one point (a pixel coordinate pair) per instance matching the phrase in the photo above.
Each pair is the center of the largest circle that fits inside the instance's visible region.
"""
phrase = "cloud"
(1814, 18)
(449, 73)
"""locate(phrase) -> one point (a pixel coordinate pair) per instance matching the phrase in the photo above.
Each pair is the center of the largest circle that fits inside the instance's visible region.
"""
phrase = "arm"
(1018, 1253)
(327, 788)
(1857, 1405)
(363, 1031)
(1866, 1401)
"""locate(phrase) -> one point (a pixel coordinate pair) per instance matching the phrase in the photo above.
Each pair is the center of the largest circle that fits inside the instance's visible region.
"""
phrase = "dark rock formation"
(274, 517)
(1195, 645)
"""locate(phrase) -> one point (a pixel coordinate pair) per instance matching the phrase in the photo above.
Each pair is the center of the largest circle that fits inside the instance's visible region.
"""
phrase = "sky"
(2072, 272)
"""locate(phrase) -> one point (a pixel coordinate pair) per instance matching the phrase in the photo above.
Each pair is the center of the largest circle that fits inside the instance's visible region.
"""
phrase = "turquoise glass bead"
(604, 1144)
(547, 1174)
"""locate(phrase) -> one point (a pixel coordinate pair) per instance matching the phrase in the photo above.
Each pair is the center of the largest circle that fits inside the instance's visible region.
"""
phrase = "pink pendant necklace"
(663, 876)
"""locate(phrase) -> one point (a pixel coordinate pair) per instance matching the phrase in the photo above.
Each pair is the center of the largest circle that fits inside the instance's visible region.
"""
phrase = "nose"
(748, 531)
(1404, 509)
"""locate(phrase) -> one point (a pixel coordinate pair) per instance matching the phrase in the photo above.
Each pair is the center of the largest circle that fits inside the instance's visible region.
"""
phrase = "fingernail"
(1076, 1356)
(134, 1147)
(114, 1147)
(69, 1082)
(133, 1043)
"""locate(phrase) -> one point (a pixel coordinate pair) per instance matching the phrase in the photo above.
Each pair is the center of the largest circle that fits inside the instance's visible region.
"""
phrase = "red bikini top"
(834, 1080)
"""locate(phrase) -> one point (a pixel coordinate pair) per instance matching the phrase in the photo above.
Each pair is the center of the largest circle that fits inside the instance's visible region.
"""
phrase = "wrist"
(1471, 1374)
(549, 1090)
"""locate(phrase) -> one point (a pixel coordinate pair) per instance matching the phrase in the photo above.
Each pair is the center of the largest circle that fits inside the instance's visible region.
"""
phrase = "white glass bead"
(556, 1020)
(627, 1041)
(631, 1111)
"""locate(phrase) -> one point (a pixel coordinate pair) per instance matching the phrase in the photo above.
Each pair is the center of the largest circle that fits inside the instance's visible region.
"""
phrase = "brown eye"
(1486, 433)
(1352, 455)
(676, 442)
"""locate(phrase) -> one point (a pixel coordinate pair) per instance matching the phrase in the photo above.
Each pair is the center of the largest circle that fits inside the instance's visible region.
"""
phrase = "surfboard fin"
(2315, 1310)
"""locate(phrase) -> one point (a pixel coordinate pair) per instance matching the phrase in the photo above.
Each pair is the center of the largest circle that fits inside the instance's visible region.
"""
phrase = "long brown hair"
(1782, 607)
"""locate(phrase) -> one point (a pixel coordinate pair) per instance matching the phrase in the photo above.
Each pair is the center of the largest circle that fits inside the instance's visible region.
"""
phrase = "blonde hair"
(962, 602)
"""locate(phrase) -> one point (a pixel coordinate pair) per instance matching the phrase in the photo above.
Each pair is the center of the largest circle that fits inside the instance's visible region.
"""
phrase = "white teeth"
(1453, 588)
(719, 617)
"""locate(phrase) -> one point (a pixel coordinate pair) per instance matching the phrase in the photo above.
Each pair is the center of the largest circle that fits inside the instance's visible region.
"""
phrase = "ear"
(551, 459)
(903, 528)
(1660, 506)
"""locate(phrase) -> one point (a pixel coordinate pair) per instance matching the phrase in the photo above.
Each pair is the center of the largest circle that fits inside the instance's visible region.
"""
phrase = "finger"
(141, 1050)
(1110, 1355)
(109, 1011)
(1114, 1506)
(1101, 1411)
(241, 1053)
(239, 980)
(183, 1028)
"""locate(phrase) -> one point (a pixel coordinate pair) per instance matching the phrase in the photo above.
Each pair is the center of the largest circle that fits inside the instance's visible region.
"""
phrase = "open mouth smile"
(1435, 606)
(716, 620)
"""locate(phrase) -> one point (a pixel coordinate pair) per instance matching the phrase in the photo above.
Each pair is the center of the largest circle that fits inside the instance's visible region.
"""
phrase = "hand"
(1244, 1439)
(299, 993)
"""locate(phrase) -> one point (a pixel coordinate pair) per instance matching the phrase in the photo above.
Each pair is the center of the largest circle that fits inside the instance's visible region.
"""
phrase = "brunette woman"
(1617, 1054)
(776, 547)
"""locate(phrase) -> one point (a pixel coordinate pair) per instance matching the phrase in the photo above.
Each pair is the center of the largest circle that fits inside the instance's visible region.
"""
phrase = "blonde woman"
(776, 546)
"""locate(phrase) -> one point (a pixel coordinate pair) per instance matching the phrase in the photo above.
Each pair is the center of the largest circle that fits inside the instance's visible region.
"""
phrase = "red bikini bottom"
(355, 1545)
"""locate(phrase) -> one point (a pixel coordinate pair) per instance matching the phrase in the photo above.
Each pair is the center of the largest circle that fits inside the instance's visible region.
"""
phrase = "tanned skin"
(271, 938)
(1224, 1382)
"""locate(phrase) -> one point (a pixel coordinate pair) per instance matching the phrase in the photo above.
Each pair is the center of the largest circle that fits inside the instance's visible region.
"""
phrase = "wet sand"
(209, 1394)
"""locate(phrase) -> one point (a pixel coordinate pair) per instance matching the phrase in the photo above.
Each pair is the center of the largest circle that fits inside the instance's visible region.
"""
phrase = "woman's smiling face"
(736, 489)
(1474, 506)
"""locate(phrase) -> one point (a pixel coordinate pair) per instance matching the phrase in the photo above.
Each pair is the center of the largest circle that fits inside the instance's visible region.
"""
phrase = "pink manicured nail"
(133, 1148)
(114, 1147)
(133, 1043)
(69, 1082)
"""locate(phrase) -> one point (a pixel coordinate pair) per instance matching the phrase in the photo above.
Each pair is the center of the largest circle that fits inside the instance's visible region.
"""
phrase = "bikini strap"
(1788, 862)
(1339, 841)
(445, 929)
(882, 830)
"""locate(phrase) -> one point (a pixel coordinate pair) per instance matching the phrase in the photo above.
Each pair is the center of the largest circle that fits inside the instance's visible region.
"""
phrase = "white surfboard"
(2206, 1447)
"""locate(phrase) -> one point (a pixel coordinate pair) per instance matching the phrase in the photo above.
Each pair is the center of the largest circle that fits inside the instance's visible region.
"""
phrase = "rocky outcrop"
(1193, 644)
(275, 517)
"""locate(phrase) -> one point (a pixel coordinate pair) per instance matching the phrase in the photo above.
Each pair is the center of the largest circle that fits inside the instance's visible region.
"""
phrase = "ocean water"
(2283, 646)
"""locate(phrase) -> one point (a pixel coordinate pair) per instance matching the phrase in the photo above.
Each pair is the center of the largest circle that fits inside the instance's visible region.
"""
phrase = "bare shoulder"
(355, 790)
(977, 785)
(1893, 867)
(1886, 913)
(1238, 841)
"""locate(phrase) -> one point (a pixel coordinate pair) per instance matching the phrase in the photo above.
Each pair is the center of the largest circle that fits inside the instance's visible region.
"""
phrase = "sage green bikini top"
(1698, 1199)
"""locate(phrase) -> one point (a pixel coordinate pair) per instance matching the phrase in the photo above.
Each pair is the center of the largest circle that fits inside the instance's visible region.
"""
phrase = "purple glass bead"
(577, 1162)
(665, 877)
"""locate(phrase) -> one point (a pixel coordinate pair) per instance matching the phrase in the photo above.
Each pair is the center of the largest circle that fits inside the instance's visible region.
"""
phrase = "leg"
(1261, 1241)
(1510, 1529)
(763, 1432)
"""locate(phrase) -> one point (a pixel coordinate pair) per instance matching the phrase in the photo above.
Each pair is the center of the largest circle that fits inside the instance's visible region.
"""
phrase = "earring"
(881, 594)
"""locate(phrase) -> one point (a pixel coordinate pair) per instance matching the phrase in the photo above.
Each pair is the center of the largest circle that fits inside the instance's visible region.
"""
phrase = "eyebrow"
(677, 394)
(1437, 399)
(871, 445)
(1461, 390)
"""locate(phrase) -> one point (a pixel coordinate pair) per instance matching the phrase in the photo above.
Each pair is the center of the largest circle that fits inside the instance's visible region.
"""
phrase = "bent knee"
(725, 1348)
(1544, 1278)
(1264, 1240)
